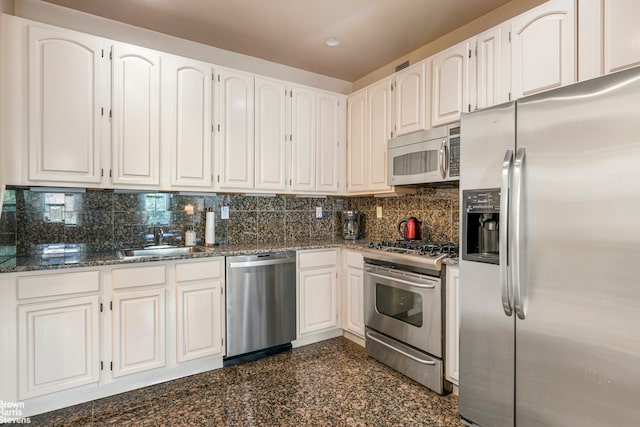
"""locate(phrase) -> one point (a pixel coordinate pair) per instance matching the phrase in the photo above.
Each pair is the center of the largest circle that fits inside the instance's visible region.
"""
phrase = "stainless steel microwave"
(427, 156)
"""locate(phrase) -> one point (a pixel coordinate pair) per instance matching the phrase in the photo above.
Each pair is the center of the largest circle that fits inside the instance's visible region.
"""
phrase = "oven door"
(405, 306)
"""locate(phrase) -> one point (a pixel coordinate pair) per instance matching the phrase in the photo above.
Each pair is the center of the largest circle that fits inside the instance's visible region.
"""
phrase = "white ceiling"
(373, 33)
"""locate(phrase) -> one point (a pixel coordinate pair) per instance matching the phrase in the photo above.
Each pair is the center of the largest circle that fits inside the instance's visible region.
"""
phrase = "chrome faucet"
(158, 233)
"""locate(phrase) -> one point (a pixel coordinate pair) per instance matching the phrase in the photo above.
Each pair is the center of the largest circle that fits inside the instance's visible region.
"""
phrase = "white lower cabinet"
(138, 331)
(138, 318)
(317, 291)
(57, 332)
(452, 358)
(199, 309)
(87, 333)
(353, 282)
(57, 345)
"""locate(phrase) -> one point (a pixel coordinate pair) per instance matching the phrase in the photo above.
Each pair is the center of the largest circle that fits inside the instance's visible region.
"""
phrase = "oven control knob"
(371, 244)
(379, 246)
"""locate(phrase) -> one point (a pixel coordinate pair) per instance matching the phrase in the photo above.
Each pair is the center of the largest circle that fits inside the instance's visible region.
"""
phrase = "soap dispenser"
(190, 237)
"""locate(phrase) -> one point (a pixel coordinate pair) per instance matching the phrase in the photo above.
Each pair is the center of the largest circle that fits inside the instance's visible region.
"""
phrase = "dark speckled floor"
(332, 383)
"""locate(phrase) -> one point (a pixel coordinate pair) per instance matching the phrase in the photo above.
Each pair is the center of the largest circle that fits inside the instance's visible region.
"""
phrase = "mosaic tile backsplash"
(105, 219)
(437, 207)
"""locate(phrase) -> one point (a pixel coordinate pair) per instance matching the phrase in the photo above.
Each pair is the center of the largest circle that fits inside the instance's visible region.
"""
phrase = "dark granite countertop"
(12, 264)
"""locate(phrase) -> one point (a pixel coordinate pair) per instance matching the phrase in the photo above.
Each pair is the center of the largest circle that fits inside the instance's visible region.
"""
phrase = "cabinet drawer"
(211, 269)
(58, 284)
(354, 259)
(138, 276)
(317, 258)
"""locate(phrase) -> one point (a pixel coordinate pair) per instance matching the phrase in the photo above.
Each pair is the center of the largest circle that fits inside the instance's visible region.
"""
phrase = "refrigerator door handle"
(517, 248)
(505, 191)
(443, 159)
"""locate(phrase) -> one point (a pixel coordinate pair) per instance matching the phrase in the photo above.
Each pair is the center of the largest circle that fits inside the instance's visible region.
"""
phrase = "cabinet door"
(199, 320)
(318, 303)
(138, 331)
(236, 130)
(327, 143)
(357, 141)
(410, 115)
(451, 84)
(189, 114)
(492, 65)
(270, 142)
(57, 345)
(452, 324)
(135, 126)
(354, 282)
(65, 78)
(543, 48)
(303, 129)
(379, 131)
(621, 34)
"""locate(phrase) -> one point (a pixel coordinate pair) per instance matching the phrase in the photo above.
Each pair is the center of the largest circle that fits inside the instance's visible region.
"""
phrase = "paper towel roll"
(210, 228)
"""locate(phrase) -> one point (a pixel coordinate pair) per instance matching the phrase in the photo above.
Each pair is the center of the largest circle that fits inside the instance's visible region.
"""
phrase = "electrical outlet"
(378, 211)
(318, 211)
(224, 212)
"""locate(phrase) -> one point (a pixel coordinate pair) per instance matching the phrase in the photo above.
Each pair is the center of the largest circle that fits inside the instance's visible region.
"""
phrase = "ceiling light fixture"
(332, 42)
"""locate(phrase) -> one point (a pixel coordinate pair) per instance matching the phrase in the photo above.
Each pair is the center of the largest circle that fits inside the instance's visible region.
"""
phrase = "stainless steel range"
(404, 308)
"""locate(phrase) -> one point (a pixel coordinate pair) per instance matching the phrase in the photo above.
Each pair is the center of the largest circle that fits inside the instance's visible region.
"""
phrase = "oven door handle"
(406, 282)
(416, 359)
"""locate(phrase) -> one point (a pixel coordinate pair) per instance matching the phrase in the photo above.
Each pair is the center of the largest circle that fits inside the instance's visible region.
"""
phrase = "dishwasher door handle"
(262, 262)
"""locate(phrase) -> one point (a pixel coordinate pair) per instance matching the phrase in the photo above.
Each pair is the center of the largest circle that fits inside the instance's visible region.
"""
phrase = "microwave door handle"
(517, 238)
(441, 158)
(505, 191)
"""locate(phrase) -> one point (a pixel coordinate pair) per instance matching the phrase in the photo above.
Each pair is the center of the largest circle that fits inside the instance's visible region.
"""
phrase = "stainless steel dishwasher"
(261, 302)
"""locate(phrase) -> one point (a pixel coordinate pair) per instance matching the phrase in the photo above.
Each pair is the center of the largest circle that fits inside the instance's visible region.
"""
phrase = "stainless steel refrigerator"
(550, 332)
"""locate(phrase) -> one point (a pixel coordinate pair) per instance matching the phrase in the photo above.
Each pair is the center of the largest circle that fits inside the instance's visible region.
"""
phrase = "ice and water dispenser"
(480, 225)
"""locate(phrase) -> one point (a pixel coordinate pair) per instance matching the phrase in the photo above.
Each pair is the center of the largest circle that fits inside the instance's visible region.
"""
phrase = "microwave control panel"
(454, 156)
(454, 150)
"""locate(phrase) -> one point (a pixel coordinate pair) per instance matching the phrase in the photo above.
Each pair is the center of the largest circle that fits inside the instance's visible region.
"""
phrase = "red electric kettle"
(409, 228)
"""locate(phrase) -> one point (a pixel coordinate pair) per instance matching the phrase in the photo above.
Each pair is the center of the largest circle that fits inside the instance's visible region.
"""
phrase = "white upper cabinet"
(453, 90)
(543, 48)
(65, 73)
(135, 125)
(368, 130)
(236, 130)
(379, 112)
(410, 98)
(187, 119)
(327, 140)
(608, 31)
(270, 136)
(315, 129)
(493, 69)
(303, 122)
(357, 141)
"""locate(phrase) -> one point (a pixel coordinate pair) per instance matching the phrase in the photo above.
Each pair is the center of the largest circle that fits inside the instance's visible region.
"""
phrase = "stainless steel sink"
(164, 250)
